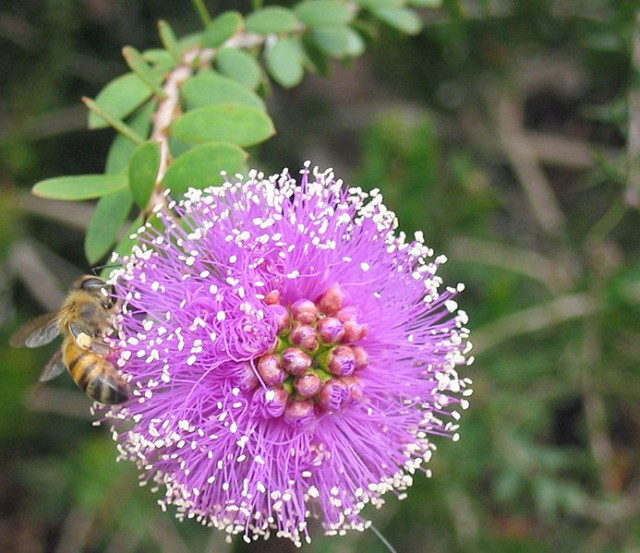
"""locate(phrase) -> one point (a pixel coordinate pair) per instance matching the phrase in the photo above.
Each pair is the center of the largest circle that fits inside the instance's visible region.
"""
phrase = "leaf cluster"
(186, 113)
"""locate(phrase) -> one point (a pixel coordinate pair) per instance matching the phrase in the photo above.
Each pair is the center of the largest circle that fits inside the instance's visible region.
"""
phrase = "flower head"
(290, 354)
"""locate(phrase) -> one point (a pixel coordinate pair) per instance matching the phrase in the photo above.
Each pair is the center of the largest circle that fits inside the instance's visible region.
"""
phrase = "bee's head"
(98, 288)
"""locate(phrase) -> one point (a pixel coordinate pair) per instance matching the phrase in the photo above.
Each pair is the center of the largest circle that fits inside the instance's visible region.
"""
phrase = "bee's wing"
(37, 332)
(53, 368)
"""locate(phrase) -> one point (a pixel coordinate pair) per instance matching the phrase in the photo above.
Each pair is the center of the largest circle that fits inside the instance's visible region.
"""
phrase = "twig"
(68, 403)
(633, 145)
(563, 151)
(75, 530)
(533, 265)
(527, 167)
(557, 311)
(163, 531)
(76, 215)
(26, 263)
(169, 107)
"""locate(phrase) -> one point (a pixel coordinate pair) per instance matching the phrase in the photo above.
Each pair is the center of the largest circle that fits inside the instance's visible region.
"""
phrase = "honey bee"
(84, 321)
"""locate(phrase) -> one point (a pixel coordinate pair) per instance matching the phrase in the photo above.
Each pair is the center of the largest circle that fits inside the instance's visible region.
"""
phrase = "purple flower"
(290, 355)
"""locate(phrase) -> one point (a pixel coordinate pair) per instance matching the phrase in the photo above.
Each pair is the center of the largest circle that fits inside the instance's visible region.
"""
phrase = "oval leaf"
(121, 149)
(355, 43)
(160, 59)
(334, 41)
(380, 4)
(209, 87)
(169, 40)
(285, 61)
(240, 66)
(402, 19)
(125, 245)
(119, 98)
(142, 69)
(110, 214)
(323, 13)
(240, 125)
(80, 187)
(202, 166)
(143, 171)
(221, 29)
(271, 20)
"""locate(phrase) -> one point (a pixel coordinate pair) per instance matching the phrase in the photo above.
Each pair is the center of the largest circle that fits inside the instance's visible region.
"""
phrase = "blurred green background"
(509, 132)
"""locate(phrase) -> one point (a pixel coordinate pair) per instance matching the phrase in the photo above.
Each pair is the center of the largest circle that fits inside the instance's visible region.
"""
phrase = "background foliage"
(507, 131)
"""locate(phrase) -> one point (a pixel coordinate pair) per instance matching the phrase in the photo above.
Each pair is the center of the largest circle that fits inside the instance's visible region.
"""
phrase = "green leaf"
(121, 149)
(201, 166)
(209, 87)
(125, 245)
(80, 187)
(222, 29)
(285, 61)
(271, 20)
(426, 3)
(143, 171)
(142, 69)
(315, 56)
(110, 214)
(169, 40)
(381, 4)
(160, 59)
(337, 42)
(240, 66)
(190, 41)
(323, 13)
(120, 98)
(403, 19)
(355, 43)
(238, 124)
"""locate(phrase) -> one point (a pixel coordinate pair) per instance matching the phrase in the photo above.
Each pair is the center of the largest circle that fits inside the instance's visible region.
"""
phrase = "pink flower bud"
(331, 301)
(308, 384)
(330, 329)
(305, 336)
(249, 380)
(342, 361)
(304, 311)
(299, 412)
(361, 357)
(283, 320)
(271, 370)
(333, 395)
(295, 361)
(355, 387)
(272, 298)
(349, 313)
(271, 402)
(354, 331)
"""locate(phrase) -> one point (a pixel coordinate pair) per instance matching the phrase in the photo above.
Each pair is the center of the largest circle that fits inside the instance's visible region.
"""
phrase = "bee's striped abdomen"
(96, 376)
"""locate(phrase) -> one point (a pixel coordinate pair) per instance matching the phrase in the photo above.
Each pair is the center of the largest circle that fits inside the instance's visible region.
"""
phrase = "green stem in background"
(608, 221)
(633, 145)
(203, 13)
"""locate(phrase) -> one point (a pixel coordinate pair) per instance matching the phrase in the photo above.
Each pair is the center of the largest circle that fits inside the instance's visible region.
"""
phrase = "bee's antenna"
(384, 540)
(95, 270)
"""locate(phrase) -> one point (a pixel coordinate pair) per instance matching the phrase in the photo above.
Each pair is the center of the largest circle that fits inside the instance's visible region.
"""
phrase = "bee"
(83, 320)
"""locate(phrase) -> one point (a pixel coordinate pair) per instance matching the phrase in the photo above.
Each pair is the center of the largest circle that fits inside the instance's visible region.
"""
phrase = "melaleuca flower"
(290, 355)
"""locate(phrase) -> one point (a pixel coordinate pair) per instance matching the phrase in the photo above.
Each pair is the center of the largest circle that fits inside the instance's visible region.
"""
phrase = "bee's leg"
(100, 347)
(81, 335)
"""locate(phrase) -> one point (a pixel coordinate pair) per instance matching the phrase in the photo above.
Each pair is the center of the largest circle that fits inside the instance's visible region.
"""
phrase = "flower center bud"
(314, 368)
